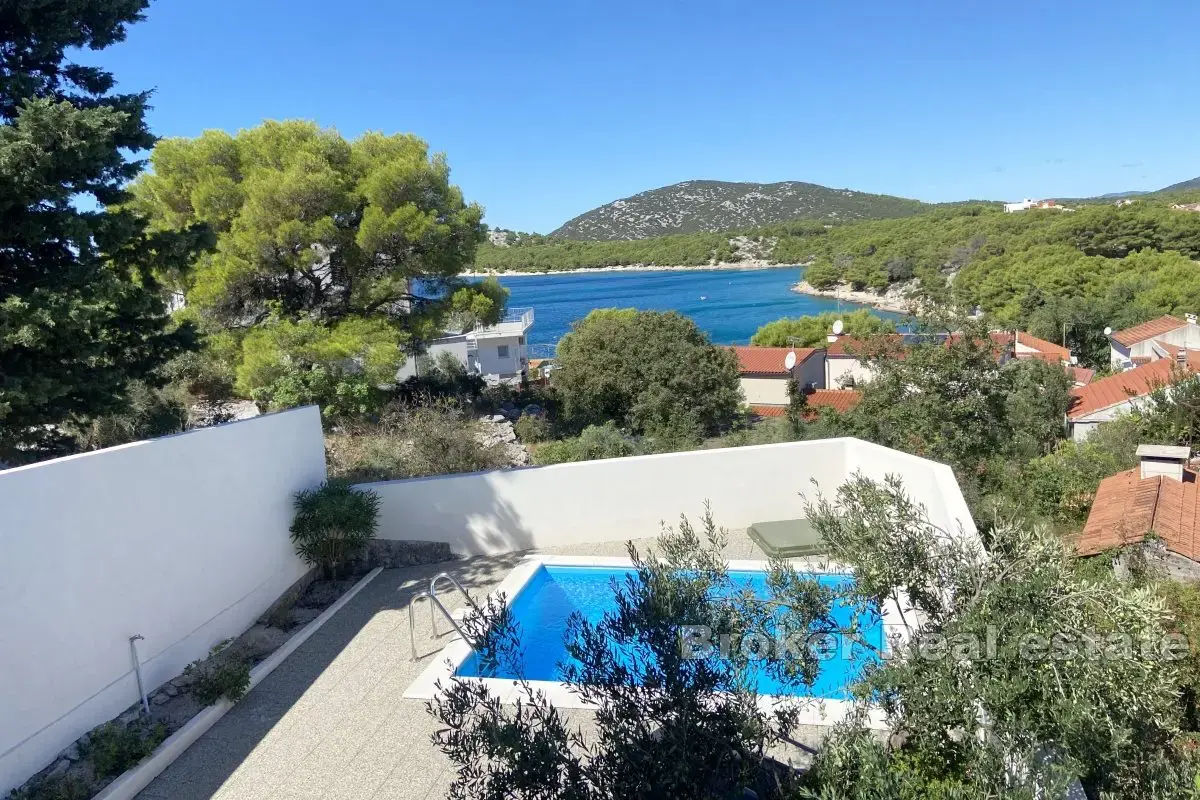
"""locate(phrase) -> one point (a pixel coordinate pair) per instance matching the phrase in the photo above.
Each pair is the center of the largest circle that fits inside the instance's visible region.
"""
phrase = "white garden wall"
(624, 498)
(183, 540)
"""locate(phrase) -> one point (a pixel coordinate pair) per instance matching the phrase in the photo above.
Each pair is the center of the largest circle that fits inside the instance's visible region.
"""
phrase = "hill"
(1183, 186)
(710, 206)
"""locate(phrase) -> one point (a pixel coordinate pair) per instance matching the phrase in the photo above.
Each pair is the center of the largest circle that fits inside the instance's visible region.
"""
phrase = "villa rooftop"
(1147, 330)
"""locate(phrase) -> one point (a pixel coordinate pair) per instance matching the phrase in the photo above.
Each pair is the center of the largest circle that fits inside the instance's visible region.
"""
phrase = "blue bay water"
(729, 305)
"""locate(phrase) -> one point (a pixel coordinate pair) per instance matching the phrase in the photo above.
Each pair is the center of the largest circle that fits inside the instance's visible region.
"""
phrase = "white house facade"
(497, 353)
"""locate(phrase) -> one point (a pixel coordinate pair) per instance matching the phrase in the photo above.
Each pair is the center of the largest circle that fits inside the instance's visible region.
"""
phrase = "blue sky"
(547, 108)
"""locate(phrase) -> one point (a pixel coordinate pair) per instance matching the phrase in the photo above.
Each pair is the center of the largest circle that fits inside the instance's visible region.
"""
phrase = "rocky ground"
(496, 431)
(897, 298)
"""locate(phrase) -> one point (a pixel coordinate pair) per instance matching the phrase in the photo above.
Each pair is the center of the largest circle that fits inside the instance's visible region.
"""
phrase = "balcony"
(516, 322)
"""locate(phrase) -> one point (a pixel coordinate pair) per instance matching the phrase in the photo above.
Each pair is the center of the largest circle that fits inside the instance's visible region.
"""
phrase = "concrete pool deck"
(332, 721)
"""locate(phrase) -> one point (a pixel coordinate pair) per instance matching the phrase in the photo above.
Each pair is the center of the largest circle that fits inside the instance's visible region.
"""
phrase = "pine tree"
(81, 314)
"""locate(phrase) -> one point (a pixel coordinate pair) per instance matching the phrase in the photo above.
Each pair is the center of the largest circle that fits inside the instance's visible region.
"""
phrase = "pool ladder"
(436, 605)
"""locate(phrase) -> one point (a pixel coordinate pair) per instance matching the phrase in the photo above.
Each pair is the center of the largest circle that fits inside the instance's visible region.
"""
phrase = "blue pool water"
(735, 303)
(542, 607)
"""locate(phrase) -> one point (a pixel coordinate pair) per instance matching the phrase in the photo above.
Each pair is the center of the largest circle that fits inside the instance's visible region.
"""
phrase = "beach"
(736, 265)
(893, 301)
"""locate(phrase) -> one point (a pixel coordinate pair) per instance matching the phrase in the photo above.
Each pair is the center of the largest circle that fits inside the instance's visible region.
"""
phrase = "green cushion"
(787, 538)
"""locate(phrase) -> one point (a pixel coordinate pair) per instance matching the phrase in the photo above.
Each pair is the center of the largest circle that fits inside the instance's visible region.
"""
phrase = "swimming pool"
(553, 592)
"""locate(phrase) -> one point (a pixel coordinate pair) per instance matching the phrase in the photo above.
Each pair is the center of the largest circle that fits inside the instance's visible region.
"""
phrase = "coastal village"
(317, 483)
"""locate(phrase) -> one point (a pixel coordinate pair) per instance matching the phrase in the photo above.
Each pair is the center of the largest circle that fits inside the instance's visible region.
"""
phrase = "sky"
(548, 108)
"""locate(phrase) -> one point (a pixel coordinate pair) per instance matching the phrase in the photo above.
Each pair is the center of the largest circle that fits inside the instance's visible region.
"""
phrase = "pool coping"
(810, 710)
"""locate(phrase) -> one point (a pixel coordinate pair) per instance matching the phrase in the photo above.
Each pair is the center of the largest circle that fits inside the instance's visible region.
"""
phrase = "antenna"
(838, 327)
(789, 360)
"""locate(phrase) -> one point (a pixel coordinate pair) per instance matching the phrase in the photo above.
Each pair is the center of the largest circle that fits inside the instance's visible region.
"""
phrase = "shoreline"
(871, 299)
(734, 266)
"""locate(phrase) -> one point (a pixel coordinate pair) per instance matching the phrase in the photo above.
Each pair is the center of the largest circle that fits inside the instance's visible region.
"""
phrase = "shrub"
(64, 787)
(332, 522)
(596, 441)
(642, 369)
(151, 412)
(441, 377)
(223, 674)
(411, 443)
(532, 429)
(340, 394)
(114, 748)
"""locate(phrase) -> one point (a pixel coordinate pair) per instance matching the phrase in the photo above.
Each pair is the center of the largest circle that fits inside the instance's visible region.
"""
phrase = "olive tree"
(1011, 674)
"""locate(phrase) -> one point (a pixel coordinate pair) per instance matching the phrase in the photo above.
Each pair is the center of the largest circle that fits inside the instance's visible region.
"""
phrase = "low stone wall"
(391, 553)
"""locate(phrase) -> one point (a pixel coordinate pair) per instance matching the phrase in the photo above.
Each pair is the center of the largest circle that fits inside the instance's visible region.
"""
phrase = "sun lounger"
(788, 538)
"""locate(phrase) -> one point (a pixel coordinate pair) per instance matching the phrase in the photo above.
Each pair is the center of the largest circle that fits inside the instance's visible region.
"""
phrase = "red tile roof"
(768, 360)
(1136, 382)
(839, 400)
(1147, 330)
(1081, 375)
(851, 347)
(1047, 351)
(1128, 506)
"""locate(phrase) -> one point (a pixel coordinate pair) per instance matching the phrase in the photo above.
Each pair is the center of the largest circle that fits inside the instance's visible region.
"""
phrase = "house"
(1027, 204)
(765, 376)
(846, 357)
(1159, 497)
(1144, 343)
(1025, 345)
(1024, 205)
(497, 353)
(1103, 400)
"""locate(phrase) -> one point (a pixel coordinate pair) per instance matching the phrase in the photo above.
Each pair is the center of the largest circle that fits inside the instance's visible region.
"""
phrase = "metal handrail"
(412, 621)
(433, 592)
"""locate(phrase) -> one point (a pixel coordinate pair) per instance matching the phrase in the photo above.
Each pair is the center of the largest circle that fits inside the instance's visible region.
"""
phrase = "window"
(520, 340)
(502, 351)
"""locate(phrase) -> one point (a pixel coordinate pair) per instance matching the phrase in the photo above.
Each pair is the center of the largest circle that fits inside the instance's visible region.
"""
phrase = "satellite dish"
(1108, 331)
(789, 360)
(838, 327)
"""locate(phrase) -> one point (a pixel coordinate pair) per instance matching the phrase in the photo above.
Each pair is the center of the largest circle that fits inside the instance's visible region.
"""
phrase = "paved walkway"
(331, 722)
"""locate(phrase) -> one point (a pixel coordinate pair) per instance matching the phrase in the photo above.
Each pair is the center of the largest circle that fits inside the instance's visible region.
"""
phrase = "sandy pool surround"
(812, 710)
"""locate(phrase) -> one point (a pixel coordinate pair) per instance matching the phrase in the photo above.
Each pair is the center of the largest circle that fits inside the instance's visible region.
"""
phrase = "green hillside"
(710, 206)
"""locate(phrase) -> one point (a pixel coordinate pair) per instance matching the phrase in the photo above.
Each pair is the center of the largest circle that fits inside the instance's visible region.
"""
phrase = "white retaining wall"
(624, 498)
(183, 540)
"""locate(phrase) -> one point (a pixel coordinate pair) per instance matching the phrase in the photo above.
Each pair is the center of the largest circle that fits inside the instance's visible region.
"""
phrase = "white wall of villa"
(843, 371)
(623, 498)
(501, 357)
(183, 540)
(766, 391)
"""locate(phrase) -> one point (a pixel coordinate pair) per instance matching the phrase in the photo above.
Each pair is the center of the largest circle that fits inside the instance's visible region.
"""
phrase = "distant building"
(1150, 341)
(1104, 400)
(1024, 205)
(497, 353)
(765, 376)
(1027, 204)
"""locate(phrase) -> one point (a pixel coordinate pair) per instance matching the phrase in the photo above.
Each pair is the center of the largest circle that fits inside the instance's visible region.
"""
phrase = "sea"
(728, 304)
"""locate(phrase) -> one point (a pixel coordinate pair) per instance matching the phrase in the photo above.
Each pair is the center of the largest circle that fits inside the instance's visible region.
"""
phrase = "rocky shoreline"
(733, 265)
(895, 300)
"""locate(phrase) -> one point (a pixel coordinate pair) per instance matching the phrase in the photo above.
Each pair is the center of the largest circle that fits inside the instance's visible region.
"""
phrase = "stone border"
(132, 781)
(812, 710)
